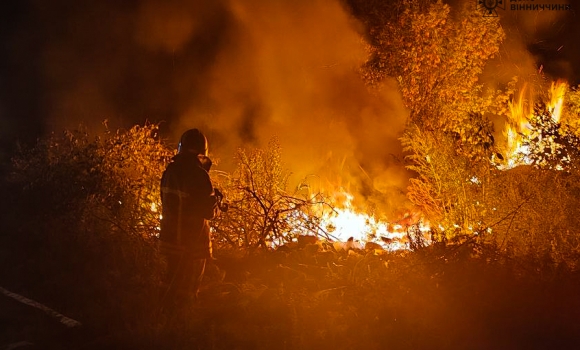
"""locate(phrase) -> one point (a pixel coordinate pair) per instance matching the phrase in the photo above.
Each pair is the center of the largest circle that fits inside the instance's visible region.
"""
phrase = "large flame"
(557, 94)
(518, 126)
(347, 224)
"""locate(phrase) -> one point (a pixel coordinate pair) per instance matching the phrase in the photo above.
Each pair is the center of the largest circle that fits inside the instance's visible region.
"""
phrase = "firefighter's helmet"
(193, 141)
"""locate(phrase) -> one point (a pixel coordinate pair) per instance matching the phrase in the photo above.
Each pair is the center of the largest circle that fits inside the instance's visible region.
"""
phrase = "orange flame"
(557, 94)
(347, 223)
(518, 125)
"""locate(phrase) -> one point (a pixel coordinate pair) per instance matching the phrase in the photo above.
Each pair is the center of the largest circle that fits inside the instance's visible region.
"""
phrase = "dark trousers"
(183, 278)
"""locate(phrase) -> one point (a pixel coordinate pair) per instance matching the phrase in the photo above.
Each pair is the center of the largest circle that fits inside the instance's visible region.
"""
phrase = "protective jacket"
(188, 203)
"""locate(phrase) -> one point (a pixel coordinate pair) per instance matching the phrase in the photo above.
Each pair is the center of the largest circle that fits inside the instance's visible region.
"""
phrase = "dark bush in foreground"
(455, 297)
(80, 225)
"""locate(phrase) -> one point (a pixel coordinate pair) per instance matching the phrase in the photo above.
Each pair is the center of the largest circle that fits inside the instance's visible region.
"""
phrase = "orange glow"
(346, 222)
(518, 125)
(557, 93)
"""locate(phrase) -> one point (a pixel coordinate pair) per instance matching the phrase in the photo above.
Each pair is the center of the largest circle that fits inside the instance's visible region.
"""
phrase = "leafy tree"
(437, 57)
(437, 54)
(548, 145)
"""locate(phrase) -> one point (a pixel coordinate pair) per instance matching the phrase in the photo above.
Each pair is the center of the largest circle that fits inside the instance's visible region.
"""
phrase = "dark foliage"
(463, 296)
(79, 231)
(67, 243)
(549, 146)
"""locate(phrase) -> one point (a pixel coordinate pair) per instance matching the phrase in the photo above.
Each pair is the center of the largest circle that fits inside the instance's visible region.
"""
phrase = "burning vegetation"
(485, 240)
(535, 134)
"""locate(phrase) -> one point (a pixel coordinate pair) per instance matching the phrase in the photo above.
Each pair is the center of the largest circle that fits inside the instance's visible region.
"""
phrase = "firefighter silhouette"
(188, 201)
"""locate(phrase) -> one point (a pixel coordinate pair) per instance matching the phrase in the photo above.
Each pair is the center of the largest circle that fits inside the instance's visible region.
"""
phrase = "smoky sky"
(242, 71)
(537, 41)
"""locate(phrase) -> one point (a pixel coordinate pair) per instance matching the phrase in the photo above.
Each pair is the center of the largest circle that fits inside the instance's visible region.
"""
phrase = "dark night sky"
(555, 46)
(66, 61)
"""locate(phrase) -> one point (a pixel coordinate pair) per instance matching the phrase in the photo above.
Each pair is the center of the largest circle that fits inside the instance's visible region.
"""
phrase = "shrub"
(453, 174)
(85, 217)
(262, 212)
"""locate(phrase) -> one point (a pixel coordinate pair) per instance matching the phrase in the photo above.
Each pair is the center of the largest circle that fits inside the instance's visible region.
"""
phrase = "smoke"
(533, 45)
(242, 71)
(288, 69)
